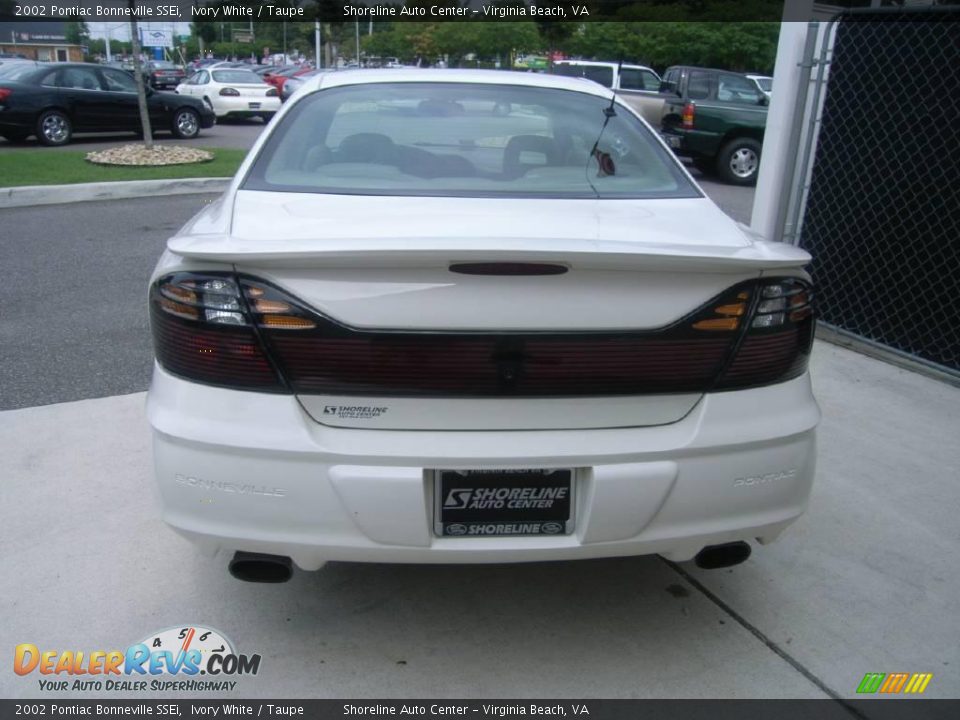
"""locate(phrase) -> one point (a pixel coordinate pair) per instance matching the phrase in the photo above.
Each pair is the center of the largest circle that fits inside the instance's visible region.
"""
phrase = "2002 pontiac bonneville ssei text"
(468, 316)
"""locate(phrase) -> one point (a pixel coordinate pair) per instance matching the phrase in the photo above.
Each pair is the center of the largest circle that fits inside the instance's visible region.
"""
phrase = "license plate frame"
(455, 500)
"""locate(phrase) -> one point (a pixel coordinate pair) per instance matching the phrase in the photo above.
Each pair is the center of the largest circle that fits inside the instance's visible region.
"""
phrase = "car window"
(78, 78)
(602, 74)
(15, 71)
(638, 79)
(239, 77)
(203, 77)
(464, 140)
(698, 86)
(737, 89)
(765, 83)
(118, 81)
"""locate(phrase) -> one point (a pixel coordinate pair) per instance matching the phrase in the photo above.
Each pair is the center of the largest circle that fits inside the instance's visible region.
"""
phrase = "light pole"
(316, 40)
(356, 24)
(106, 35)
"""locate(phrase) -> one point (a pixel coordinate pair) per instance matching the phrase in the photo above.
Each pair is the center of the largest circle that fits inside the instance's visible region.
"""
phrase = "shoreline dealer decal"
(183, 658)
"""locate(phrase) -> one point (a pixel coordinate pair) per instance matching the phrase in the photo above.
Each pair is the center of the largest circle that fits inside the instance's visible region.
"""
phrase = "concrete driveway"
(865, 582)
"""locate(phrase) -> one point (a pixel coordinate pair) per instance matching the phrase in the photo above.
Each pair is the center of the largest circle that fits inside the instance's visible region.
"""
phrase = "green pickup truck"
(715, 117)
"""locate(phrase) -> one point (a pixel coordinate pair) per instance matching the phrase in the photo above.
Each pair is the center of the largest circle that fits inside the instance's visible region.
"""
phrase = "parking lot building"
(45, 41)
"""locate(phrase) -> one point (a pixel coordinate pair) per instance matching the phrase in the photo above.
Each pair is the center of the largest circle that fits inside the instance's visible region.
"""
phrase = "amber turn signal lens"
(736, 309)
(271, 306)
(178, 309)
(730, 323)
(175, 292)
(286, 322)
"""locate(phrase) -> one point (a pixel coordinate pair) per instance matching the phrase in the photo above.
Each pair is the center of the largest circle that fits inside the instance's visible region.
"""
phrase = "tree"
(76, 32)
(141, 89)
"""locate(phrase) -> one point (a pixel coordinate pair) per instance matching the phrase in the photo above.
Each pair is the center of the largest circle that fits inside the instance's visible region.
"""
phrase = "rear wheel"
(54, 128)
(186, 123)
(267, 117)
(739, 161)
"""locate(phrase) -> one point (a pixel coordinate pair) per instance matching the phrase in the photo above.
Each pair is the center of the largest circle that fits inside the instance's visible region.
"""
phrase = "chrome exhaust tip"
(713, 557)
(261, 568)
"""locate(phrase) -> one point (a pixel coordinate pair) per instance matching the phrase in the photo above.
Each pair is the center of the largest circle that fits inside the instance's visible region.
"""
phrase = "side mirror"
(763, 100)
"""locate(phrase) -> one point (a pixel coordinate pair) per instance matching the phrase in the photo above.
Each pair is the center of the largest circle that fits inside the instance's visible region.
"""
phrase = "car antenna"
(609, 111)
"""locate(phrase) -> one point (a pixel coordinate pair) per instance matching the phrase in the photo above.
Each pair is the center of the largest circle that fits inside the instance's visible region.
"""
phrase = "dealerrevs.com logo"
(189, 659)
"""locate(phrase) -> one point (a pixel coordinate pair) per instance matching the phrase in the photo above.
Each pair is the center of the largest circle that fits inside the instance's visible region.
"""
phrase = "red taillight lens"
(272, 92)
(240, 332)
(230, 92)
(689, 110)
(201, 331)
(5, 93)
(778, 339)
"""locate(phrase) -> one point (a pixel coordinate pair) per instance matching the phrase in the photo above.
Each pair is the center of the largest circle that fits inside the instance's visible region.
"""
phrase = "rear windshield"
(766, 84)
(464, 140)
(239, 77)
(164, 65)
(13, 71)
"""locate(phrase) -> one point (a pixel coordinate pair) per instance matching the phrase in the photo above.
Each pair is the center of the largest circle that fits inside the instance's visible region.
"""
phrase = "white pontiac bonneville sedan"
(233, 92)
(468, 316)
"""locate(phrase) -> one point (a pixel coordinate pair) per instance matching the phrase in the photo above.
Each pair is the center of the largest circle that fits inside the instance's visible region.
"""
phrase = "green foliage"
(76, 32)
(666, 38)
(739, 46)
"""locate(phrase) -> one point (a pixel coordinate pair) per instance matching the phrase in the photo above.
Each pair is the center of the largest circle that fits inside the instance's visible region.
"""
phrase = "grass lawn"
(42, 167)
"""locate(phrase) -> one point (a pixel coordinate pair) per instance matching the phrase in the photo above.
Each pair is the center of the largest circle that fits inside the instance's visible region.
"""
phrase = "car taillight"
(241, 332)
(230, 92)
(272, 92)
(202, 329)
(5, 93)
(777, 339)
(687, 117)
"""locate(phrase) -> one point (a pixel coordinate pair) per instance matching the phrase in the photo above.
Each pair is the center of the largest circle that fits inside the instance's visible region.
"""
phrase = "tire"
(267, 117)
(185, 124)
(54, 128)
(16, 136)
(739, 161)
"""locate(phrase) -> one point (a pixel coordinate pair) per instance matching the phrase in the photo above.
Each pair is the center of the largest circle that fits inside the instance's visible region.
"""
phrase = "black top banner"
(543, 709)
(563, 11)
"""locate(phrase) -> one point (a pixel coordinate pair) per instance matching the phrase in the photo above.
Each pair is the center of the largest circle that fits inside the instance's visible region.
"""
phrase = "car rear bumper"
(240, 106)
(249, 471)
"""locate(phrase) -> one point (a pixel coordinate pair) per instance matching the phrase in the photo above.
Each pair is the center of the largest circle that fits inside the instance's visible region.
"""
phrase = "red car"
(279, 77)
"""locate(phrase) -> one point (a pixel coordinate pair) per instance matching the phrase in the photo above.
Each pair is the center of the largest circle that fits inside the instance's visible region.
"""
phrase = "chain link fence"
(882, 216)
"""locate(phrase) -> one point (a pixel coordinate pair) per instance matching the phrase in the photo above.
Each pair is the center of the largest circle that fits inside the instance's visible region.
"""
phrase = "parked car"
(763, 82)
(718, 119)
(415, 329)
(278, 78)
(160, 74)
(233, 92)
(54, 101)
(634, 83)
(292, 84)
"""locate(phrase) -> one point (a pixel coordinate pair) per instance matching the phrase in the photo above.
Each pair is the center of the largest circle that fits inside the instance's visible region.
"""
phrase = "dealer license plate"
(254, 105)
(497, 503)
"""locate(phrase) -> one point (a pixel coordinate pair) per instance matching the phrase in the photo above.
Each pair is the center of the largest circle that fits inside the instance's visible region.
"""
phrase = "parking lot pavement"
(864, 582)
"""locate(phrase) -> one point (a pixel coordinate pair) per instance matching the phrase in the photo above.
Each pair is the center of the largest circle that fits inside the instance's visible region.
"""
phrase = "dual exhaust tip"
(263, 568)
